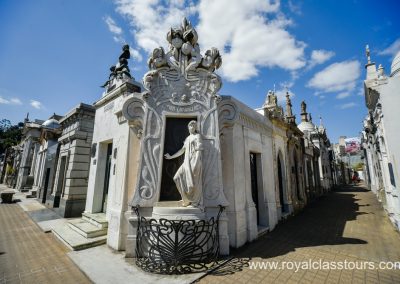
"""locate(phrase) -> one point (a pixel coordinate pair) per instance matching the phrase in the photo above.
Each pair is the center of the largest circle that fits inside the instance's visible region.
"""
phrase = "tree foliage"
(10, 135)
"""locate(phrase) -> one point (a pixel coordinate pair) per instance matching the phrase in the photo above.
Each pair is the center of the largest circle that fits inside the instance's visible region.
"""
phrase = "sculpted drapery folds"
(180, 83)
(188, 178)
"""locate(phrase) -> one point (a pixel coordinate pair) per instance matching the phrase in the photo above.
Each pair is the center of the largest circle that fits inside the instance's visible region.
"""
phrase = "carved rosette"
(181, 82)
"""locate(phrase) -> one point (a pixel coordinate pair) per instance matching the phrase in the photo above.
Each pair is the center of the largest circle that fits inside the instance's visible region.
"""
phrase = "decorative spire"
(304, 114)
(289, 112)
(381, 71)
(290, 118)
(271, 107)
(321, 127)
(367, 52)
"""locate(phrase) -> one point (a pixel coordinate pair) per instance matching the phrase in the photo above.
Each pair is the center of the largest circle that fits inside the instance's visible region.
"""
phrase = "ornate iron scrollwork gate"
(177, 246)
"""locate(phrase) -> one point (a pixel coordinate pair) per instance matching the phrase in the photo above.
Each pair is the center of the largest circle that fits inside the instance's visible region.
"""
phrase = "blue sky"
(56, 53)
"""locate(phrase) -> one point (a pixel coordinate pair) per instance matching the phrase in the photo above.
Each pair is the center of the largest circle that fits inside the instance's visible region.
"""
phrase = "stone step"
(96, 219)
(74, 240)
(25, 189)
(32, 193)
(86, 229)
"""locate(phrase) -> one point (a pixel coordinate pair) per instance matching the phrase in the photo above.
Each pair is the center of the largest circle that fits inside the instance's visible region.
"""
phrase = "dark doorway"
(107, 177)
(296, 173)
(61, 182)
(310, 192)
(254, 182)
(280, 181)
(176, 131)
(46, 185)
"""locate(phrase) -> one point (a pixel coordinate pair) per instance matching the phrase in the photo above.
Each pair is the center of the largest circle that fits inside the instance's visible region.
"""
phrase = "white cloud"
(281, 94)
(337, 77)
(295, 8)
(114, 29)
(249, 34)
(361, 91)
(251, 40)
(343, 95)
(117, 31)
(135, 54)
(392, 49)
(11, 101)
(15, 101)
(4, 101)
(320, 56)
(348, 105)
(36, 104)
(151, 20)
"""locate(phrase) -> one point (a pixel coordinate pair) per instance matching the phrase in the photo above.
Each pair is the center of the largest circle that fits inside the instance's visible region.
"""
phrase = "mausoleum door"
(176, 131)
(107, 177)
(46, 185)
(280, 181)
(61, 181)
(254, 184)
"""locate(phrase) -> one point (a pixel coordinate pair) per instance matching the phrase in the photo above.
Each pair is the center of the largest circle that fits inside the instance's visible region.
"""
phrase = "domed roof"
(306, 126)
(395, 69)
(51, 123)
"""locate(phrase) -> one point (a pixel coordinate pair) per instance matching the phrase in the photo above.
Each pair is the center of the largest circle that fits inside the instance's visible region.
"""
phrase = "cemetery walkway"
(27, 255)
(345, 228)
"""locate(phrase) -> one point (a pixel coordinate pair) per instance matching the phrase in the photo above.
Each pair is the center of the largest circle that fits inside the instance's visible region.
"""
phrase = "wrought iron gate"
(177, 246)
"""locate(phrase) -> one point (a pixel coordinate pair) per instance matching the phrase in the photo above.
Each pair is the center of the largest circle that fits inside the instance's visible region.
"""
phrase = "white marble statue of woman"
(188, 178)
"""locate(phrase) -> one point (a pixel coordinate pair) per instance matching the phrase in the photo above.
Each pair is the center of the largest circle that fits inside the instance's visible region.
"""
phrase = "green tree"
(10, 135)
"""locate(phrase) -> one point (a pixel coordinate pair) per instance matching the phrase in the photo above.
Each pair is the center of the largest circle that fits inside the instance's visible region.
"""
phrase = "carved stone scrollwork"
(181, 83)
(133, 111)
(227, 113)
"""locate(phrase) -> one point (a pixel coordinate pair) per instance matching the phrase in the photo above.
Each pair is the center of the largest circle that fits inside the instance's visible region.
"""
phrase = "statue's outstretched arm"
(177, 154)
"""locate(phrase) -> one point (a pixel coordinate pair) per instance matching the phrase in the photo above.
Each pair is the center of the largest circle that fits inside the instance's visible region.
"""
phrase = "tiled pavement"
(347, 225)
(27, 255)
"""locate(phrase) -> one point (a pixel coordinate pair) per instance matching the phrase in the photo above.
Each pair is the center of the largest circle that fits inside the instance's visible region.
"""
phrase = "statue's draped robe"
(188, 178)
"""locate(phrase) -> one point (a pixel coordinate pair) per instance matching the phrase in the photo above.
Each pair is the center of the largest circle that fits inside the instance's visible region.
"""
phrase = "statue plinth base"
(173, 210)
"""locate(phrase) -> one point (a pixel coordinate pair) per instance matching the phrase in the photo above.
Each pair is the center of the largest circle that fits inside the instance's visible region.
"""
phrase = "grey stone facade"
(68, 194)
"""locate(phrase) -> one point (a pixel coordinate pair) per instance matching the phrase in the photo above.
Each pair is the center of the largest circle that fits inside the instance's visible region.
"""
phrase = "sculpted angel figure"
(212, 59)
(188, 178)
(157, 59)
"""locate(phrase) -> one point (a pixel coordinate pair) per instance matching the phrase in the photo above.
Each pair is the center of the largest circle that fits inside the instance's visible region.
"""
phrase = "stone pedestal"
(173, 210)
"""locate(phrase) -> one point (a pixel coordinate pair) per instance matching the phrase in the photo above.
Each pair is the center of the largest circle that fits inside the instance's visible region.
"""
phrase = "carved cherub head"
(212, 59)
(175, 38)
(157, 58)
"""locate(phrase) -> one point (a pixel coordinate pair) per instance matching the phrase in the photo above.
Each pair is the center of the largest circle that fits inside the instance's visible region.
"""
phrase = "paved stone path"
(347, 225)
(28, 255)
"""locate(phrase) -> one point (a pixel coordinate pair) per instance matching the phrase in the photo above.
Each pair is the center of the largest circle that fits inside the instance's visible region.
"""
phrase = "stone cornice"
(122, 90)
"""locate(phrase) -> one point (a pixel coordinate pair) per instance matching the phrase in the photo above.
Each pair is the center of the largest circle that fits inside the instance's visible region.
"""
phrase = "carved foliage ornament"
(181, 82)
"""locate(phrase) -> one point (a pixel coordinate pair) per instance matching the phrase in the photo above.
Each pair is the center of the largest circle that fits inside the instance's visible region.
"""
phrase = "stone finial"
(289, 112)
(304, 114)
(381, 71)
(289, 117)
(303, 107)
(271, 107)
(184, 53)
(368, 54)
(321, 127)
